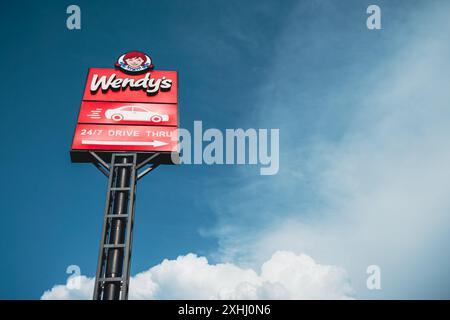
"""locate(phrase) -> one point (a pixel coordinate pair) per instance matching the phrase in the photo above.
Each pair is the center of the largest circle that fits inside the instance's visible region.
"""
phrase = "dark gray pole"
(113, 268)
(114, 263)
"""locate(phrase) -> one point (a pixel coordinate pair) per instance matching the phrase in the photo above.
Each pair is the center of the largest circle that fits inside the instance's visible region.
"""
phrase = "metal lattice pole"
(113, 270)
(114, 259)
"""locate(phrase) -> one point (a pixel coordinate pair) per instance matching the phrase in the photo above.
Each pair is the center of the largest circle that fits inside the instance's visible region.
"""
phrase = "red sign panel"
(127, 138)
(128, 113)
(113, 85)
(130, 108)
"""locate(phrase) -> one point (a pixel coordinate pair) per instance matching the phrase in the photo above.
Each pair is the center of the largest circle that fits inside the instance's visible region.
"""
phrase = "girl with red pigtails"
(134, 61)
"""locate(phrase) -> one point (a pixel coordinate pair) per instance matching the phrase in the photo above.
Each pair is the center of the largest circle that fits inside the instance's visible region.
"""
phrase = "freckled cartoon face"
(134, 62)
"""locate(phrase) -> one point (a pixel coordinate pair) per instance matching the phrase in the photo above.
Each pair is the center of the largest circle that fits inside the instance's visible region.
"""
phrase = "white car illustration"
(135, 113)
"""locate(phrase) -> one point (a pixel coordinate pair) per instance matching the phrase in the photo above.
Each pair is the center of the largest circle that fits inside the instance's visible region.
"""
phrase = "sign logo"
(151, 85)
(134, 62)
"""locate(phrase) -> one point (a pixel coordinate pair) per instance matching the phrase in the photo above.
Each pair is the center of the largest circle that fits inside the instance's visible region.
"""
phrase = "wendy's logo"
(134, 62)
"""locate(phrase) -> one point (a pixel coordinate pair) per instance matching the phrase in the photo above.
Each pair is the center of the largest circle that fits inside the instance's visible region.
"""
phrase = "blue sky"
(346, 100)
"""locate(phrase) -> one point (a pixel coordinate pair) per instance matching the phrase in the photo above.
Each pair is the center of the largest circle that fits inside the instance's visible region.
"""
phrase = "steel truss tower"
(113, 269)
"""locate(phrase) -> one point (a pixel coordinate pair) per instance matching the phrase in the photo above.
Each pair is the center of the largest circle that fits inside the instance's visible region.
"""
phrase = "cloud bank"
(284, 276)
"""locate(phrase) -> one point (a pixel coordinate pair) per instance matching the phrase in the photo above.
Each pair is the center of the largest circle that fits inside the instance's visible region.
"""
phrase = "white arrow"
(154, 143)
(157, 143)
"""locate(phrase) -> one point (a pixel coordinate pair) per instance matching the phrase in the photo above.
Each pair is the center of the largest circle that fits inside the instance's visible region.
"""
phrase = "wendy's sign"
(132, 97)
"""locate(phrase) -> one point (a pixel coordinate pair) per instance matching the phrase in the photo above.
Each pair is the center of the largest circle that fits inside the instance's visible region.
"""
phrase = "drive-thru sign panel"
(125, 138)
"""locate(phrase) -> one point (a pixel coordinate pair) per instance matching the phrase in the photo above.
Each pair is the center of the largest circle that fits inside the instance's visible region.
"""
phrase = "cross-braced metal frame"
(113, 269)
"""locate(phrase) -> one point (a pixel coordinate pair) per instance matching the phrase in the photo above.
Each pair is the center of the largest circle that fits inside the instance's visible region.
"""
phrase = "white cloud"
(284, 276)
(69, 291)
